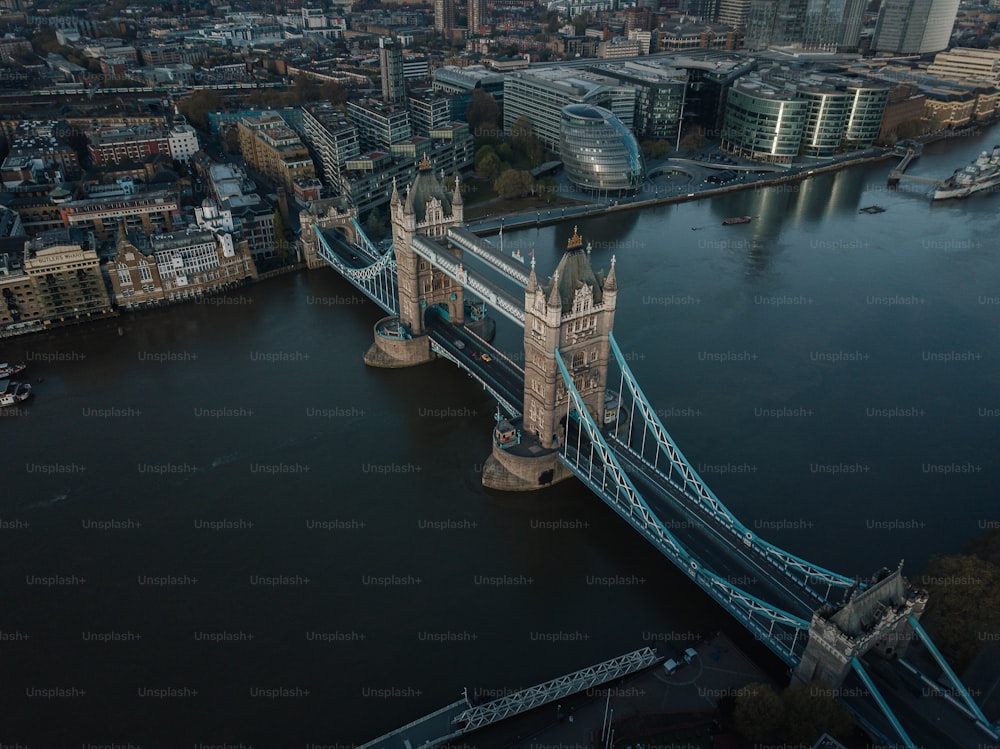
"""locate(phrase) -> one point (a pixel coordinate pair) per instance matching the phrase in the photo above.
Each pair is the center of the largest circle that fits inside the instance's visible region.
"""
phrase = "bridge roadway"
(500, 373)
(710, 545)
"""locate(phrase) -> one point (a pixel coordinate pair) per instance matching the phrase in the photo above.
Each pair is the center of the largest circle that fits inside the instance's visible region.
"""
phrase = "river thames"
(219, 526)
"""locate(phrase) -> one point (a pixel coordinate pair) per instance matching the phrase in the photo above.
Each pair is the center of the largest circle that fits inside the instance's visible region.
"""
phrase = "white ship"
(981, 174)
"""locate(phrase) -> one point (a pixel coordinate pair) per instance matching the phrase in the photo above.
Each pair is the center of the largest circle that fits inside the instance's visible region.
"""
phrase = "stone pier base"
(509, 472)
(393, 352)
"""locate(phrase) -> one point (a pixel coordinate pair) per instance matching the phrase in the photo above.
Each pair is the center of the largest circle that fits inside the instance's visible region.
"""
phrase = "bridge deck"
(426, 732)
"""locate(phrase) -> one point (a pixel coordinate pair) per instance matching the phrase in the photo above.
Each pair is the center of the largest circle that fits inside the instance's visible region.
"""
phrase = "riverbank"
(666, 195)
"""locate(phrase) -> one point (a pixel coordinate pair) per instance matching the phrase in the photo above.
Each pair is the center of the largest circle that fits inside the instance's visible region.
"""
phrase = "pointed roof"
(425, 187)
(532, 278)
(611, 282)
(574, 269)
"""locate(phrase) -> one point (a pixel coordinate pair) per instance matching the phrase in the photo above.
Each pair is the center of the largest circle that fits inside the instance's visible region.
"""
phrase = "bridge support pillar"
(395, 348)
(523, 467)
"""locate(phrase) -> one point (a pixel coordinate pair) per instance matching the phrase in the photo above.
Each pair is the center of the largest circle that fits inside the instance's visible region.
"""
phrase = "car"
(690, 654)
(670, 665)
(460, 345)
(486, 357)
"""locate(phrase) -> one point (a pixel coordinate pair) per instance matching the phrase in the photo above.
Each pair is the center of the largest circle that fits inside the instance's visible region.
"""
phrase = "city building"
(379, 124)
(444, 17)
(599, 153)
(118, 145)
(275, 150)
(804, 24)
(914, 27)
(66, 278)
(429, 111)
(540, 95)
(459, 84)
(149, 211)
(391, 66)
(689, 35)
(477, 16)
(332, 141)
(967, 65)
(660, 93)
(45, 142)
(764, 122)
(149, 270)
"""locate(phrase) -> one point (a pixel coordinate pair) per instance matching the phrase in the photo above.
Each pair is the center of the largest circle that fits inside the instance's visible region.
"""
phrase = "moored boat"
(872, 209)
(13, 392)
(737, 220)
(6, 370)
(981, 174)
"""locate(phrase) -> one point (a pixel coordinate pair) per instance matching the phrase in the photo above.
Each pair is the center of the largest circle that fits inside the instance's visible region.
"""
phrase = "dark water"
(220, 526)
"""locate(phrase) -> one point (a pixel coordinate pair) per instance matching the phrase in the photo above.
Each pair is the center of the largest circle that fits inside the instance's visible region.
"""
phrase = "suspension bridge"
(577, 410)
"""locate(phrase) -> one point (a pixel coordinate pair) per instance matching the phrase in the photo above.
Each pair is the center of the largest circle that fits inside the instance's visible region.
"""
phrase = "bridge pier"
(523, 467)
(395, 347)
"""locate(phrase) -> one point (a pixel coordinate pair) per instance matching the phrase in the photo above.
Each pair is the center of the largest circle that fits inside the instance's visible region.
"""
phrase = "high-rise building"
(332, 140)
(444, 16)
(390, 56)
(477, 16)
(914, 27)
(805, 24)
(734, 13)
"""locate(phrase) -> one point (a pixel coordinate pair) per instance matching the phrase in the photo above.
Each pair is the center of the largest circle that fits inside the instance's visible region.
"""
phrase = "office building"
(914, 27)
(390, 55)
(600, 154)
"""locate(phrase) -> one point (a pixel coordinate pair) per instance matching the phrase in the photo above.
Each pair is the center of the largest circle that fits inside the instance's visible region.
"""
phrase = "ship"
(981, 174)
(13, 392)
(6, 370)
(872, 209)
(737, 220)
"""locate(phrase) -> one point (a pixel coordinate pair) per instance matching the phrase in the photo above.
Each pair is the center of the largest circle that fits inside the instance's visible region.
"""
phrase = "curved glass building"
(598, 151)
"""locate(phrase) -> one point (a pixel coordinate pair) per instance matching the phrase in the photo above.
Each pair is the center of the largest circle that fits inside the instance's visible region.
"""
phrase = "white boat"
(981, 174)
(13, 392)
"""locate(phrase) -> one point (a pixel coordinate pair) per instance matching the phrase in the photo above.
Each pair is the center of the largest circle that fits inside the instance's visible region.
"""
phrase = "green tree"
(375, 226)
(199, 104)
(526, 144)
(505, 153)
(305, 89)
(482, 114)
(694, 140)
(964, 602)
(487, 162)
(759, 714)
(513, 183)
(810, 711)
(333, 92)
(655, 148)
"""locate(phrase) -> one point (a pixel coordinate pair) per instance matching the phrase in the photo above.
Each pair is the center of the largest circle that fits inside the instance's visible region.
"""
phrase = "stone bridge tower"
(874, 619)
(427, 210)
(574, 311)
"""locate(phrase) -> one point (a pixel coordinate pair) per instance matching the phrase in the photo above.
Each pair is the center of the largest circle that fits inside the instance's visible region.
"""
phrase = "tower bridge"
(575, 409)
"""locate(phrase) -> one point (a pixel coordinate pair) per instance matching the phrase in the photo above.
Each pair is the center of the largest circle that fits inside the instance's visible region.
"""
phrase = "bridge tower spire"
(426, 212)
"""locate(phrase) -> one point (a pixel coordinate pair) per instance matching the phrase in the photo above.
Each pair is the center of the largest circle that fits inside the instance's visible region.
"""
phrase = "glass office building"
(764, 122)
(599, 151)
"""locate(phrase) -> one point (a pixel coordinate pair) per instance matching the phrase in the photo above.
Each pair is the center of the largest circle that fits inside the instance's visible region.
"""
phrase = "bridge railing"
(471, 243)
(680, 473)
(511, 408)
(587, 454)
(376, 281)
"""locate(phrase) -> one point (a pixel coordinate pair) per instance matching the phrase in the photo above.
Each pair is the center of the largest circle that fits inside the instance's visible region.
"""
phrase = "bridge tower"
(874, 619)
(427, 210)
(573, 312)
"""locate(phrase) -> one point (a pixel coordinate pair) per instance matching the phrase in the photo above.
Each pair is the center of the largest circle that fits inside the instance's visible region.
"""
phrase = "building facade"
(600, 154)
(65, 279)
(914, 27)
(763, 122)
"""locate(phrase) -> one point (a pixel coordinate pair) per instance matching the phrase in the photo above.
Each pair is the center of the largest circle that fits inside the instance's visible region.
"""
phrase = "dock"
(910, 151)
(462, 717)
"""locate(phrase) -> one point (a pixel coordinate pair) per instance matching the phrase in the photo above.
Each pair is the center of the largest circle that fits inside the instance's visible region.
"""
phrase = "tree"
(375, 226)
(333, 92)
(526, 144)
(280, 236)
(505, 153)
(759, 714)
(305, 89)
(694, 140)
(482, 114)
(810, 711)
(655, 148)
(487, 162)
(197, 107)
(513, 183)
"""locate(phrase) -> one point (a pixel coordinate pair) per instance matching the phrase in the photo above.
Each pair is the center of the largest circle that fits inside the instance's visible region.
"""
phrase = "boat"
(737, 220)
(13, 392)
(6, 370)
(872, 209)
(517, 256)
(981, 174)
